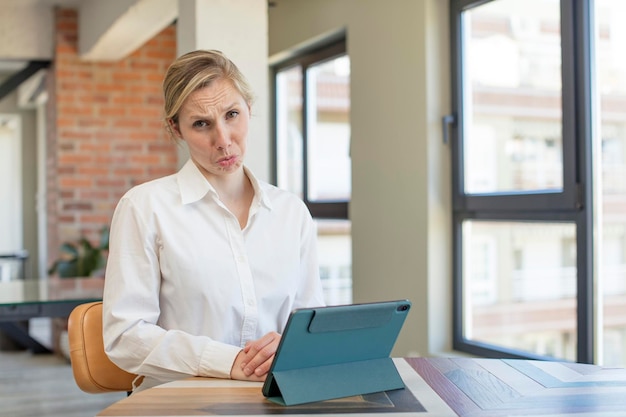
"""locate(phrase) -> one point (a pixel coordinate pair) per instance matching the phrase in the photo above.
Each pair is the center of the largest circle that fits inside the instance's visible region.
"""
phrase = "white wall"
(400, 167)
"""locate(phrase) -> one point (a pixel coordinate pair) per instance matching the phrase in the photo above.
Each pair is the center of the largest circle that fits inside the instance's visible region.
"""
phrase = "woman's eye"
(200, 123)
(232, 113)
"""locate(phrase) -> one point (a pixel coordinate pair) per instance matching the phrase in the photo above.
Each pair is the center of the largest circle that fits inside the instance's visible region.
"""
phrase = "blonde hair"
(193, 71)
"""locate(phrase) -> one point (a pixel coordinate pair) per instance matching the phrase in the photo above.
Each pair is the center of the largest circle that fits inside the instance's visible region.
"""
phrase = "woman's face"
(214, 122)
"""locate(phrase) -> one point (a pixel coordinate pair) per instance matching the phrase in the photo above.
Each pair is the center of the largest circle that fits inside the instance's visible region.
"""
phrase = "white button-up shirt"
(186, 287)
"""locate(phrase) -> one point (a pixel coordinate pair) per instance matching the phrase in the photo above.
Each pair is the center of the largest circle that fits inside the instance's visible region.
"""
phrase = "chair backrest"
(93, 370)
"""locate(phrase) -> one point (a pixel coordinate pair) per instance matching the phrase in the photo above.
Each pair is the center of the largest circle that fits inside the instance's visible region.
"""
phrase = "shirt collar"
(194, 186)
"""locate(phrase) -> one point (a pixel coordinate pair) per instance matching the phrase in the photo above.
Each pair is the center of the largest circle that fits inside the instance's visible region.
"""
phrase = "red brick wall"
(106, 131)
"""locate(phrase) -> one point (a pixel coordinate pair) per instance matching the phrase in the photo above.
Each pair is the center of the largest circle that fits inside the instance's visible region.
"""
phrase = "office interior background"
(504, 223)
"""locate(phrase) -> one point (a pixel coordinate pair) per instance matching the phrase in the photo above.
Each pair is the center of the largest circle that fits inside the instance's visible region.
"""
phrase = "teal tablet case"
(337, 351)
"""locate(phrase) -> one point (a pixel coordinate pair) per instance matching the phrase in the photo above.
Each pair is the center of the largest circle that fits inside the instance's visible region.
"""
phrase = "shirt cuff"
(217, 360)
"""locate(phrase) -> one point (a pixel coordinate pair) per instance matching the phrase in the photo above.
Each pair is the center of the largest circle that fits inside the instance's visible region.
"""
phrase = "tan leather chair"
(93, 370)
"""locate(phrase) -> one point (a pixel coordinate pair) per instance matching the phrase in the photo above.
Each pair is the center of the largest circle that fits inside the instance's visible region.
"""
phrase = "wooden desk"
(436, 387)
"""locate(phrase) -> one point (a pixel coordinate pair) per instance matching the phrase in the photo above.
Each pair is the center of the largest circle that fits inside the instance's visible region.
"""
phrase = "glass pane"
(289, 130)
(328, 131)
(610, 44)
(520, 286)
(512, 97)
(335, 258)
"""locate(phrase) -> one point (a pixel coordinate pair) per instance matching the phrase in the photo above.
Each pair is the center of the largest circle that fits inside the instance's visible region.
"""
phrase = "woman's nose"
(222, 137)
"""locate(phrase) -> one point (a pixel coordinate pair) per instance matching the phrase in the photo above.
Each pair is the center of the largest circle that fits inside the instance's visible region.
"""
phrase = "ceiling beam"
(110, 31)
(19, 77)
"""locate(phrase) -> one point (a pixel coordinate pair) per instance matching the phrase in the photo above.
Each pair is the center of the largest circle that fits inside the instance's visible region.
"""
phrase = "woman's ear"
(174, 128)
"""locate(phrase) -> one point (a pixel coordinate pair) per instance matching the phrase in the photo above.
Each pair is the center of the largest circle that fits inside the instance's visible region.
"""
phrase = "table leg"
(19, 333)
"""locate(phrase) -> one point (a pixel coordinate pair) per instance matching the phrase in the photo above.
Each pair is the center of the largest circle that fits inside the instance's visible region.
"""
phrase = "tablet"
(336, 351)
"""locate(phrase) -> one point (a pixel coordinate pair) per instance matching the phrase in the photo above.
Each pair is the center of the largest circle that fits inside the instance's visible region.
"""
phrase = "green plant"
(81, 259)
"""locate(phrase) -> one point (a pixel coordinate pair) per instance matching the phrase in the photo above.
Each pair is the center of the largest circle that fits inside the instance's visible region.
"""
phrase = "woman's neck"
(236, 192)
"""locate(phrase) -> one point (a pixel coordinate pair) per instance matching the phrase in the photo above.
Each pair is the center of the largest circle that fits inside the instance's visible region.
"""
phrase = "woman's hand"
(254, 361)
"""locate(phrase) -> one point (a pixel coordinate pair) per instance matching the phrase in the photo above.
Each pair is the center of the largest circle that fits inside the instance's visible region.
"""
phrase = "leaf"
(81, 259)
(104, 238)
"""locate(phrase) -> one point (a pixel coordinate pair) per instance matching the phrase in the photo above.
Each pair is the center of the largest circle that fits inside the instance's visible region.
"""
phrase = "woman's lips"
(227, 161)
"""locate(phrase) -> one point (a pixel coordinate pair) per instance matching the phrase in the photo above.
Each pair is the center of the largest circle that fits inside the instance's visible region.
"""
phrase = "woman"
(205, 265)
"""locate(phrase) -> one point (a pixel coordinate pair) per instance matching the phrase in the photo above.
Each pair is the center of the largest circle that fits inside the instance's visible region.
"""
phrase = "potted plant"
(77, 260)
(82, 259)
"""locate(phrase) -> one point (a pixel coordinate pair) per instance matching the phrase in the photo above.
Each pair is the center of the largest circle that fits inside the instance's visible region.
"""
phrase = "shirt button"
(241, 259)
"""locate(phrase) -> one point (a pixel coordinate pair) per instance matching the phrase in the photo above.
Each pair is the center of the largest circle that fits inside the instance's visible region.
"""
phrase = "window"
(609, 43)
(11, 238)
(312, 153)
(528, 241)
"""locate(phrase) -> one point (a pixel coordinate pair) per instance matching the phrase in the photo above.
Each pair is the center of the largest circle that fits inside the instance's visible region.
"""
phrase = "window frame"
(574, 204)
(332, 48)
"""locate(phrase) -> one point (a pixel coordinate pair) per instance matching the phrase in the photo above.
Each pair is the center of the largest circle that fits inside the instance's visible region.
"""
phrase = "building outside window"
(539, 191)
(312, 153)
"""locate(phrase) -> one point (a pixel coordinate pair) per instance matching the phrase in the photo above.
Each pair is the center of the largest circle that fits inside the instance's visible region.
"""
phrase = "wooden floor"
(42, 385)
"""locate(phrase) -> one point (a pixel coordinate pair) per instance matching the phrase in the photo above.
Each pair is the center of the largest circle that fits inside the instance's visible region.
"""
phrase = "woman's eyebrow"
(233, 105)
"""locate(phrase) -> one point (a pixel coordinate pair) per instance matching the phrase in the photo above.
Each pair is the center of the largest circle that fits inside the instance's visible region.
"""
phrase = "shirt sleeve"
(132, 337)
